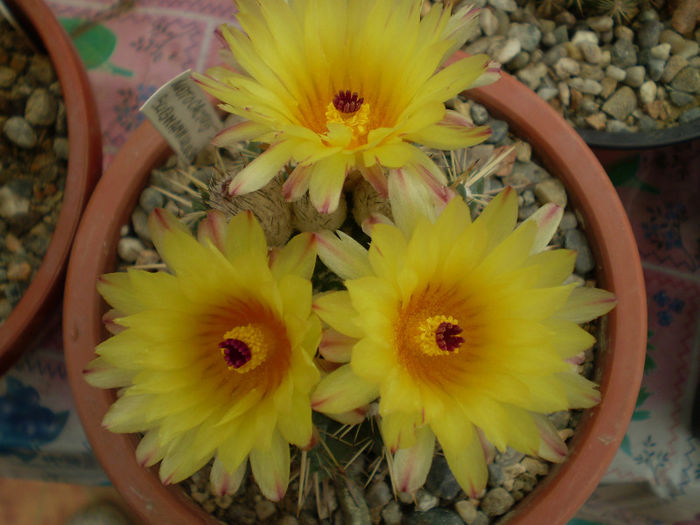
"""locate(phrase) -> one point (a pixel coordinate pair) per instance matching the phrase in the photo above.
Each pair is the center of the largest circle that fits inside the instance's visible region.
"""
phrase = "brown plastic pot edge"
(557, 498)
(84, 166)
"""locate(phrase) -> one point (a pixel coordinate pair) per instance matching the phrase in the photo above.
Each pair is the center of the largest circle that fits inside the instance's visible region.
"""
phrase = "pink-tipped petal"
(377, 178)
(109, 319)
(375, 218)
(224, 482)
(261, 171)
(461, 26)
(411, 465)
(585, 304)
(297, 183)
(342, 391)
(246, 130)
(213, 228)
(101, 374)
(271, 467)
(326, 183)
(335, 346)
(547, 219)
(410, 199)
(161, 222)
(342, 254)
(297, 257)
(552, 447)
(491, 75)
(148, 453)
(353, 417)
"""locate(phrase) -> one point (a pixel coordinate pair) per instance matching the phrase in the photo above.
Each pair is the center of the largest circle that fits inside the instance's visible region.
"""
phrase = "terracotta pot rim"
(564, 153)
(84, 165)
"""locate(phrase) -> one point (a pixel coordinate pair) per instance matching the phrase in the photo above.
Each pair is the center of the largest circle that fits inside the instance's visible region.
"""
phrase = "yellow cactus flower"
(335, 86)
(214, 360)
(464, 330)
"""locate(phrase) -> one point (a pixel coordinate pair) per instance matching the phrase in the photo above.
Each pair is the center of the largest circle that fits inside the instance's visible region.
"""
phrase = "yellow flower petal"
(270, 467)
(336, 310)
(411, 465)
(224, 481)
(342, 254)
(585, 304)
(261, 171)
(342, 391)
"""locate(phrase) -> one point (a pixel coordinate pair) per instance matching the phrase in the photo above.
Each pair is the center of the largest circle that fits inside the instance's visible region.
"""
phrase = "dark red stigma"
(236, 352)
(447, 338)
(347, 102)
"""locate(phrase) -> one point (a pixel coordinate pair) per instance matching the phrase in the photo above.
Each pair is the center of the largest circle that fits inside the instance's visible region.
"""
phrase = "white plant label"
(181, 112)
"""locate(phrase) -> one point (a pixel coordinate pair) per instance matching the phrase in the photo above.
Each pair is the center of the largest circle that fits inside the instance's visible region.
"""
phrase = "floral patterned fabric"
(134, 48)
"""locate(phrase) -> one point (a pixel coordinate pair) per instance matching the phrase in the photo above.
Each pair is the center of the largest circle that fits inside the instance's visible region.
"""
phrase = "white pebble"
(647, 92)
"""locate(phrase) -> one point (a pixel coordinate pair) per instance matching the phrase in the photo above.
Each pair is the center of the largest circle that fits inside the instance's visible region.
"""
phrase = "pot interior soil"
(33, 162)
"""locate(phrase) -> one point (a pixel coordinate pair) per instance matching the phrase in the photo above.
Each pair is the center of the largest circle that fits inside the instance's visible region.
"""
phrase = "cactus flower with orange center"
(336, 86)
(214, 360)
(464, 330)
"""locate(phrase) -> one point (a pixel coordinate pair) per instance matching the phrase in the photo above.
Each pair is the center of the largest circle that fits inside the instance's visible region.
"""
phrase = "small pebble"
(576, 240)
(496, 502)
(265, 509)
(129, 248)
(19, 271)
(20, 132)
(551, 190)
(466, 510)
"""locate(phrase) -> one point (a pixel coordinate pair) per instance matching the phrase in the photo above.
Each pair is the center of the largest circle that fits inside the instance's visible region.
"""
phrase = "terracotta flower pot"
(84, 165)
(621, 358)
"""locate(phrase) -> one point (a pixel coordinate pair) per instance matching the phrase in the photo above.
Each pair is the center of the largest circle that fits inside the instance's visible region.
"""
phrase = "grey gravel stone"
(499, 130)
(488, 22)
(532, 75)
(551, 190)
(681, 98)
(129, 248)
(528, 35)
(7, 77)
(600, 24)
(139, 220)
(616, 73)
(151, 199)
(647, 123)
(567, 67)
(647, 92)
(479, 114)
(568, 221)
(621, 103)
(425, 500)
(61, 147)
(635, 76)
(673, 67)
(12, 205)
(689, 115)
(591, 52)
(505, 5)
(656, 68)
(41, 108)
(688, 80)
(441, 481)
(352, 503)
(509, 51)
(623, 53)
(496, 502)
(687, 49)
(378, 494)
(561, 34)
(434, 517)
(391, 514)
(466, 510)
(661, 51)
(586, 85)
(576, 240)
(265, 509)
(649, 33)
(20, 132)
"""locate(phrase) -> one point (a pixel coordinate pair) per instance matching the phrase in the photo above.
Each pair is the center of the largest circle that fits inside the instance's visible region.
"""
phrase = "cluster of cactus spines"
(620, 10)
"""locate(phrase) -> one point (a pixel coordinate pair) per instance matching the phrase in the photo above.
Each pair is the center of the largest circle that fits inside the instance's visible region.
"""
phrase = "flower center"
(243, 348)
(352, 111)
(345, 102)
(439, 334)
